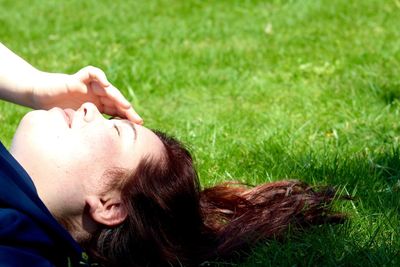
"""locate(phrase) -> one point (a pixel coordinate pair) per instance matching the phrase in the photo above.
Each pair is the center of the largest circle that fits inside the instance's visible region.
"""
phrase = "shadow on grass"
(373, 177)
(370, 237)
(388, 93)
(319, 246)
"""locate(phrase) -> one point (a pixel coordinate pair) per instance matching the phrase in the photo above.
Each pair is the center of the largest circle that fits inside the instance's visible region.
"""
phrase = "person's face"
(75, 148)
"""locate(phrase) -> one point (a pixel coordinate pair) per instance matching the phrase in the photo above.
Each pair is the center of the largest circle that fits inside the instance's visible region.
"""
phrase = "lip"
(68, 115)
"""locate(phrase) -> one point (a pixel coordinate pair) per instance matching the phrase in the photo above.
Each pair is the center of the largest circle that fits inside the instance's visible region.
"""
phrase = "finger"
(112, 93)
(128, 114)
(98, 75)
(98, 89)
(117, 96)
(112, 111)
(91, 73)
(105, 100)
(131, 115)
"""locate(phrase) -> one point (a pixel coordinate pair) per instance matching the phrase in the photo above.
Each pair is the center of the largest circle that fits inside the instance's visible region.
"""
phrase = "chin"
(32, 135)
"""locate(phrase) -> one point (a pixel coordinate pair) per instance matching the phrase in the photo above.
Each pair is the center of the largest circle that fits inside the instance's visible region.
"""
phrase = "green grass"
(259, 90)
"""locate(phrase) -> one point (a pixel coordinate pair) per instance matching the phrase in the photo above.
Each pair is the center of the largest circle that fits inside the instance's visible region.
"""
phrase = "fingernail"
(138, 118)
(127, 103)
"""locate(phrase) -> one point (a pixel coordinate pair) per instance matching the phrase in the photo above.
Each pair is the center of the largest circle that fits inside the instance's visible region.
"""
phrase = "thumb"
(91, 73)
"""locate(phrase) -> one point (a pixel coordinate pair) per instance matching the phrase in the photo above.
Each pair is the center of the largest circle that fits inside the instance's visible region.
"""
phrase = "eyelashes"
(116, 128)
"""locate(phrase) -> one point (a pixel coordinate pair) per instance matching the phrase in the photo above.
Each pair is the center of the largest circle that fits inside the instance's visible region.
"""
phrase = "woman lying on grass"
(128, 195)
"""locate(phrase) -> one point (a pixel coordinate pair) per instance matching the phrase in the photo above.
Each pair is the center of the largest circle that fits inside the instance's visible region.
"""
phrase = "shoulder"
(21, 240)
(17, 227)
(24, 242)
(17, 257)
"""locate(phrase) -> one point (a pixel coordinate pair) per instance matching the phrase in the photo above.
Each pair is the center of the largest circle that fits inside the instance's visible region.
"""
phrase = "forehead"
(147, 143)
(152, 141)
(145, 139)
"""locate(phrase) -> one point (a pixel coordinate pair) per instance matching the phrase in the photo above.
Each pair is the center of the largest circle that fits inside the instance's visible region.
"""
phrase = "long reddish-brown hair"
(172, 222)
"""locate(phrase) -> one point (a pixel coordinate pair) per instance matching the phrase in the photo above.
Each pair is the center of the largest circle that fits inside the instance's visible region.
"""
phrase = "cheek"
(93, 154)
(98, 146)
(37, 131)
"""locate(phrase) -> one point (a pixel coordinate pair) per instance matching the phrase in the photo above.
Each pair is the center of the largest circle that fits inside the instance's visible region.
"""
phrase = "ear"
(108, 210)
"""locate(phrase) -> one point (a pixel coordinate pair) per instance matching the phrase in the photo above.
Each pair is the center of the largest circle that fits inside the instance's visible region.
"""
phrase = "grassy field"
(259, 90)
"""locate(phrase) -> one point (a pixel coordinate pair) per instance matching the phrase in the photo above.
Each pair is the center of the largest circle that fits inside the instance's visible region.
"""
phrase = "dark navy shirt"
(29, 234)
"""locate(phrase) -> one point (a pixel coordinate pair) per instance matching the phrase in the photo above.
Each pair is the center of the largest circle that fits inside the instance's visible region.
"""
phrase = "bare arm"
(16, 78)
(25, 85)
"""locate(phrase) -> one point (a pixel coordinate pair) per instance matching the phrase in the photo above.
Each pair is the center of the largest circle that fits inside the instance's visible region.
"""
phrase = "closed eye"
(115, 126)
(130, 124)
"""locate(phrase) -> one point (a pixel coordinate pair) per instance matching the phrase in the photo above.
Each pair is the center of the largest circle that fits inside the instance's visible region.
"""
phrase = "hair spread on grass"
(172, 222)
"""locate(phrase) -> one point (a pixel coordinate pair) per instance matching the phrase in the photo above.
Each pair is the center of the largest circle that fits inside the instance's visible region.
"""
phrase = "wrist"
(45, 87)
(16, 84)
(34, 83)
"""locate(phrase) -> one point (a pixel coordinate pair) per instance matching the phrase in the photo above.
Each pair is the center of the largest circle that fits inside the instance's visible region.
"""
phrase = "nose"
(89, 112)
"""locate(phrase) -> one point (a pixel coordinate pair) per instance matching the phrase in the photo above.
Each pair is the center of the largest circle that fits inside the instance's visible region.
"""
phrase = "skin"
(67, 154)
(23, 84)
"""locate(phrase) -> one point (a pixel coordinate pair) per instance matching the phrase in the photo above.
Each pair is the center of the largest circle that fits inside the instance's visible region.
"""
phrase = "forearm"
(16, 78)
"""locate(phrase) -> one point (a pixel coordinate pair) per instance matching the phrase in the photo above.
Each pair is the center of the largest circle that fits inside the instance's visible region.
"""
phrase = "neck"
(81, 229)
